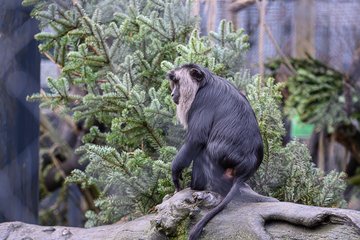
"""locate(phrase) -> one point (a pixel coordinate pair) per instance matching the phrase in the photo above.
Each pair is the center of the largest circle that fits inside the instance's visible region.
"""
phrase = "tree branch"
(264, 219)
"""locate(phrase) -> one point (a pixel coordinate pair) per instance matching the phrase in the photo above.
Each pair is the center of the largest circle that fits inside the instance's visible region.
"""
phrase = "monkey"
(223, 140)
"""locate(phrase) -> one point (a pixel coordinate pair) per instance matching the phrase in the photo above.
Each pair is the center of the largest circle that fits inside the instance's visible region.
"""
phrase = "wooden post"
(224, 11)
(19, 119)
(304, 28)
(262, 9)
(217, 10)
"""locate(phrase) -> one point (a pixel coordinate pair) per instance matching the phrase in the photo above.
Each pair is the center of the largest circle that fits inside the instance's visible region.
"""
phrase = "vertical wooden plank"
(262, 13)
(211, 15)
(304, 28)
(223, 11)
(196, 7)
(19, 119)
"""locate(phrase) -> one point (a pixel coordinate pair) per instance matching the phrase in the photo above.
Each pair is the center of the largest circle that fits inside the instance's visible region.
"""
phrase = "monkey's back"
(230, 127)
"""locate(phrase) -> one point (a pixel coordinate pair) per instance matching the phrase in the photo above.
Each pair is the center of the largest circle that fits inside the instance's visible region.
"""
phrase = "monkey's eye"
(171, 76)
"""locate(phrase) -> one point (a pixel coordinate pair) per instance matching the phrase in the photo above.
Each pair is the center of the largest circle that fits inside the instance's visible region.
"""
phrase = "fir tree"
(287, 173)
(112, 76)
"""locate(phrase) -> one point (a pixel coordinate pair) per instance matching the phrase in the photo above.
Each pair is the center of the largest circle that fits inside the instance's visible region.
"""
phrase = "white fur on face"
(188, 90)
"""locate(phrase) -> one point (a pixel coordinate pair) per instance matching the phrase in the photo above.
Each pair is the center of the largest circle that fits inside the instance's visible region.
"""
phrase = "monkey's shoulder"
(220, 93)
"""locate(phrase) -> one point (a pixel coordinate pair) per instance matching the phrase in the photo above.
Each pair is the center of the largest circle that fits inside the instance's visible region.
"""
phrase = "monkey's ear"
(196, 74)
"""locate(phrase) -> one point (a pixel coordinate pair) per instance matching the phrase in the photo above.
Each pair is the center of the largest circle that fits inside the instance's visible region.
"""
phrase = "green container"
(300, 129)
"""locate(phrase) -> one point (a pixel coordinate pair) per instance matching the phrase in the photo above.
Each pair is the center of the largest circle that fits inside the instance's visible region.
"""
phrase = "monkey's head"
(185, 82)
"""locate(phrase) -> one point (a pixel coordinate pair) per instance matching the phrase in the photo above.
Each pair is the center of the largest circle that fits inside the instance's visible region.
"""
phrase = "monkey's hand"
(183, 160)
(176, 180)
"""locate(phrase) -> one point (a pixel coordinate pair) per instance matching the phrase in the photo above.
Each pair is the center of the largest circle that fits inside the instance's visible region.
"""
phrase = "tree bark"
(263, 218)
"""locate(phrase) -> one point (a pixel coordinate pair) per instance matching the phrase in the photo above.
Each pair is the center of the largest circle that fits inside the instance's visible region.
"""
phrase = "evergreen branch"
(152, 134)
(150, 25)
(52, 59)
(64, 16)
(153, 189)
(105, 47)
(56, 20)
(162, 113)
(172, 26)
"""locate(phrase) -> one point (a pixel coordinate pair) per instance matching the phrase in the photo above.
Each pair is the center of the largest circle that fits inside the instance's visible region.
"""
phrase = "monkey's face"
(184, 82)
(174, 86)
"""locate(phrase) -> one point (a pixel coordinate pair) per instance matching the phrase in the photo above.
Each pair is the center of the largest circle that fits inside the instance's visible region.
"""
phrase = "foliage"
(355, 180)
(319, 94)
(112, 79)
(287, 173)
(325, 97)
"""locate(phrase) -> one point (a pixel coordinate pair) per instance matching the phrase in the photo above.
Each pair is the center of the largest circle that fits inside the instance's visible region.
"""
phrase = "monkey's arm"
(185, 156)
(199, 126)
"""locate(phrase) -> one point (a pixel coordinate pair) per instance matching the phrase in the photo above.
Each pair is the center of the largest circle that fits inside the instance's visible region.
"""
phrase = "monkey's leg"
(198, 176)
(219, 181)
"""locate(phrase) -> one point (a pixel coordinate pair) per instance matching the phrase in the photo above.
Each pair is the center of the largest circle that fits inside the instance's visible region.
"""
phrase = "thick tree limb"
(240, 4)
(264, 219)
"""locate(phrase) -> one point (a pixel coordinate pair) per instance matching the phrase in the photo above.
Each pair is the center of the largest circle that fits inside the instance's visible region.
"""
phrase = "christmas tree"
(113, 70)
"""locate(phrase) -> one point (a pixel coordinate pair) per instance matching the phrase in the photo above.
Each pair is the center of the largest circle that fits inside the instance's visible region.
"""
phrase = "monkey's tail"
(197, 229)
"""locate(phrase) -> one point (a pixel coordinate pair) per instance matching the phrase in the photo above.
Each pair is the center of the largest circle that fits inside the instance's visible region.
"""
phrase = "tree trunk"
(349, 137)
